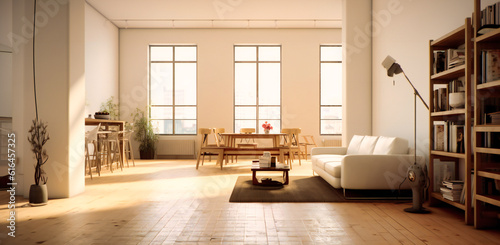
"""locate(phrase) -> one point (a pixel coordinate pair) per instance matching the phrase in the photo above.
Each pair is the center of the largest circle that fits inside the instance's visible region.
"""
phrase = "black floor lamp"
(416, 175)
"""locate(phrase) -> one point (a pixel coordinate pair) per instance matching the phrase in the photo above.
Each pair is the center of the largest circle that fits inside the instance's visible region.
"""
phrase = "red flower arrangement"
(267, 126)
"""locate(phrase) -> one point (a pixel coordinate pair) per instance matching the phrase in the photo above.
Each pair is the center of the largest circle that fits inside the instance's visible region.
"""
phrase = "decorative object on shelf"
(267, 127)
(144, 134)
(416, 175)
(38, 137)
(102, 115)
(457, 100)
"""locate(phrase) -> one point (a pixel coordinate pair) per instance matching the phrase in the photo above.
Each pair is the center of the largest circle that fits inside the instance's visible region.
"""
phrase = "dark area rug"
(300, 189)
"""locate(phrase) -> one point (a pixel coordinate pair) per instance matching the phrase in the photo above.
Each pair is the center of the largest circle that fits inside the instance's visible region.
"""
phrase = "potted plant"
(37, 138)
(144, 134)
(109, 108)
(267, 127)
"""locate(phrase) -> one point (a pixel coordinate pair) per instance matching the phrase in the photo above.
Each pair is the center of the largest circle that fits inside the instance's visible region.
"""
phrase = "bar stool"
(127, 146)
(112, 148)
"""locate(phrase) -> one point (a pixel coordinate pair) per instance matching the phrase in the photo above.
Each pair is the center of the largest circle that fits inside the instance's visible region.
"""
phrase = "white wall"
(101, 60)
(5, 59)
(300, 70)
(404, 33)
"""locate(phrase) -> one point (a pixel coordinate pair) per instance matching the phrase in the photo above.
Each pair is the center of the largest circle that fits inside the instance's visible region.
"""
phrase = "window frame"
(257, 106)
(174, 106)
(320, 92)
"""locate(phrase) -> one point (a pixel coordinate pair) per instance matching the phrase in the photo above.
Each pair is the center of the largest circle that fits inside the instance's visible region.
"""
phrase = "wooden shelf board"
(448, 154)
(491, 199)
(448, 113)
(451, 39)
(450, 73)
(489, 174)
(440, 197)
(489, 85)
(487, 128)
(491, 36)
(487, 150)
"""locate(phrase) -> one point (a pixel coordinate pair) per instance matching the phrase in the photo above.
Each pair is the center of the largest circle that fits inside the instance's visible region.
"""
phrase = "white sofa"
(368, 163)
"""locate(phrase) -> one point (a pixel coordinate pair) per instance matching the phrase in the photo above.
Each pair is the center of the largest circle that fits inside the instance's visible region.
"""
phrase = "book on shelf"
(457, 139)
(440, 136)
(494, 117)
(443, 170)
(439, 61)
(490, 67)
(453, 184)
(455, 57)
(490, 18)
(441, 99)
(452, 190)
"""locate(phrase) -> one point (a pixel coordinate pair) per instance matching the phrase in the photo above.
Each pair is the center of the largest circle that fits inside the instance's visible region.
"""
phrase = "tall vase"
(266, 131)
(38, 194)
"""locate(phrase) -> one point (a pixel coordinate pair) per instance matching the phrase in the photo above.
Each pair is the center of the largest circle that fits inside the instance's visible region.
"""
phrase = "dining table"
(230, 138)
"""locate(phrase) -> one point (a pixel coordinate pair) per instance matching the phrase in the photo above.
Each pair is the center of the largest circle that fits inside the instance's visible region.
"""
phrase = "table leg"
(286, 177)
(254, 178)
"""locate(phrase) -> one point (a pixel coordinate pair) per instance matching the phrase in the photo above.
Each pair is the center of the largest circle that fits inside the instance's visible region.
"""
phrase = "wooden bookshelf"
(439, 196)
(450, 73)
(486, 197)
(462, 36)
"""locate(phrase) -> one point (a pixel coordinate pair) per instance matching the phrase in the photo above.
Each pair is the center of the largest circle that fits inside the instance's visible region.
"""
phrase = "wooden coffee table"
(255, 181)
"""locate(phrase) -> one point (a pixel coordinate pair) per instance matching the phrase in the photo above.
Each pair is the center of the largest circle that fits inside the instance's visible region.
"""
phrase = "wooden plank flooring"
(169, 202)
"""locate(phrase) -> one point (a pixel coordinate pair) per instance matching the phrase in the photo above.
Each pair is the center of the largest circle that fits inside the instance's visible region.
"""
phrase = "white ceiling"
(221, 13)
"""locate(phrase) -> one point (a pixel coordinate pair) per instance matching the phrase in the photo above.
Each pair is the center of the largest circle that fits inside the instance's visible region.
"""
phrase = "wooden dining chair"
(292, 143)
(308, 140)
(246, 143)
(206, 148)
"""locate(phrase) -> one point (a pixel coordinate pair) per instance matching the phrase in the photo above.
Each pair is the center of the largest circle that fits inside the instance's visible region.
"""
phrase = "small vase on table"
(266, 131)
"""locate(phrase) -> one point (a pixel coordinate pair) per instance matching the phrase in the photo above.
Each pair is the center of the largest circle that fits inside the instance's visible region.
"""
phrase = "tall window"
(172, 89)
(257, 87)
(331, 89)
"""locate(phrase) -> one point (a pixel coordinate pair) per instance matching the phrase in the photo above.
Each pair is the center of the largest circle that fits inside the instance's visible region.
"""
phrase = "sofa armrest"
(328, 150)
(376, 172)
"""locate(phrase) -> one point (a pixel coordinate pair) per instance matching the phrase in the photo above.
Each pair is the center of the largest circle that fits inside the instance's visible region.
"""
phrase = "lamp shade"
(391, 66)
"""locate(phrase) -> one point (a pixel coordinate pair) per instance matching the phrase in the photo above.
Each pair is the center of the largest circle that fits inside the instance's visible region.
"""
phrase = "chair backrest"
(292, 136)
(91, 135)
(247, 130)
(219, 140)
(309, 140)
(204, 132)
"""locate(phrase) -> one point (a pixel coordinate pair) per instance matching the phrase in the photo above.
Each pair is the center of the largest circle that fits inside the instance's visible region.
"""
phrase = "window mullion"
(173, 91)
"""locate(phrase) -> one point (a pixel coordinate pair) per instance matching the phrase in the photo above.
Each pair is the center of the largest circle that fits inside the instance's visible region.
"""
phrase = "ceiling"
(221, 13)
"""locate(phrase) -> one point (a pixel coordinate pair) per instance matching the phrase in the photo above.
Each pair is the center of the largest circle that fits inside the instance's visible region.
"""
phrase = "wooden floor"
(169, 202)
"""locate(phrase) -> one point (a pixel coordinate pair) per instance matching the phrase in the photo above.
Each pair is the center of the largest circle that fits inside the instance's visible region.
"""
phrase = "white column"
(357, 82)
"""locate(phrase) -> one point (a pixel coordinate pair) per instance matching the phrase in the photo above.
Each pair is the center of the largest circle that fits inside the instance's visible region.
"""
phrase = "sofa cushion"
(333, 168)
(390, 145)
(367, 145)
(320, 160)
(353, 147)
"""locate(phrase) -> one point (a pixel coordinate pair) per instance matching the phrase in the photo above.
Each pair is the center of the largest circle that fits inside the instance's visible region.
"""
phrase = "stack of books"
(452, 190)
(456, 57)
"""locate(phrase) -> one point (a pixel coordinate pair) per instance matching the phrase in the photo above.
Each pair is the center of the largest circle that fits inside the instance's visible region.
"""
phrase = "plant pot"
(38, 194)
(147, 154)
(266, 131)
